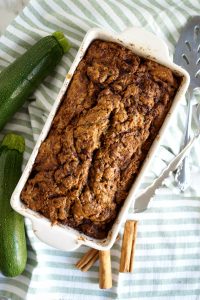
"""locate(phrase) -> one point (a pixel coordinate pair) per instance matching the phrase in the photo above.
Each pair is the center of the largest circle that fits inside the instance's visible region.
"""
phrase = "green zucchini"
(13, 250)
(22, 77)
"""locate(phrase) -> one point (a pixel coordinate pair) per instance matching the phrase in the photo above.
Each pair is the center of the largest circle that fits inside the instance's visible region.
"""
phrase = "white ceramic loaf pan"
(144, 44)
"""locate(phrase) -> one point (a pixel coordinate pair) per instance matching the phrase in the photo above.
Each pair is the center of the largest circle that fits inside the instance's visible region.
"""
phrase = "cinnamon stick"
(105, 272)
(128, 246)
(133, 247)
(88, 259)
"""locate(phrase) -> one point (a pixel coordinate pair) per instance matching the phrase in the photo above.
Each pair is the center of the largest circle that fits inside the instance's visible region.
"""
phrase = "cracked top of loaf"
(107, 121)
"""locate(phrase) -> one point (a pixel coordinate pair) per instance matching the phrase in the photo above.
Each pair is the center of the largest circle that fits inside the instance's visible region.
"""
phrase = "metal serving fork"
(187, 55)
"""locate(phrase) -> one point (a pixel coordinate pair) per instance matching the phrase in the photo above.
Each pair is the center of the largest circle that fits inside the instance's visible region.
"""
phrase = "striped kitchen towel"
(167, 261)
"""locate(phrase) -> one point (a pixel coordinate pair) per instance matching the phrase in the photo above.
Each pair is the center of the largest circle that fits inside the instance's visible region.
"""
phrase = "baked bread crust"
(107, 121)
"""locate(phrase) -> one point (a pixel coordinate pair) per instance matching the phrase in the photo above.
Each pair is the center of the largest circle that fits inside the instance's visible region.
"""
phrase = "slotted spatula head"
(187, 51)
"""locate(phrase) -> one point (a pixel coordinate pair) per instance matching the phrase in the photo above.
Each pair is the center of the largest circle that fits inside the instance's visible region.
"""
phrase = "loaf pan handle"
(54, 236)
(147, 42)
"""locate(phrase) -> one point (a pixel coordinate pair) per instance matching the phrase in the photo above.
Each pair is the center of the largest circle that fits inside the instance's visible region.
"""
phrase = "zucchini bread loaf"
(107, 121)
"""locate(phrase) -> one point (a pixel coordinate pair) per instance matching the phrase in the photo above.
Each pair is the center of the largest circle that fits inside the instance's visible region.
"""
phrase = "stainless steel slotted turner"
(187, 55)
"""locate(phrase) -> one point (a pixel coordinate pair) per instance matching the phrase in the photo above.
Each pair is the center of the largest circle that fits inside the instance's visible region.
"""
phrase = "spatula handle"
(183, 176)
